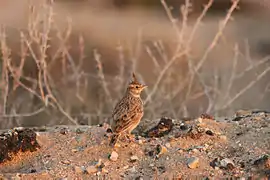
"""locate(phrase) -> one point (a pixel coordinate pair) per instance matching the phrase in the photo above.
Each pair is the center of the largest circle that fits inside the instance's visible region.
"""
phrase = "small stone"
(64, 131)
(114, 156)
(227, 163)
(195, 151)
(168, 145)
(66, 162)
(183, 127)
(223, 137)
(140, 141)
(109, 130)
(199, 120)
(91, 169)
(125, 167)
(78, 170)
(134, 158)
(207, 116)
(161, 150)
(139, 178)
(104, 170)
(263, 161)
(193, 162)
(180, 151)
(74, 150)
(209, 132)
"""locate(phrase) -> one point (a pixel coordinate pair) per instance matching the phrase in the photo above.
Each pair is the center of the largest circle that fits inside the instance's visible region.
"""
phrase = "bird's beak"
(144, 86)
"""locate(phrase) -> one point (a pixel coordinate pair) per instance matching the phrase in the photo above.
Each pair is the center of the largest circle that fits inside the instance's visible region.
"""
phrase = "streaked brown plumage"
(128, 111)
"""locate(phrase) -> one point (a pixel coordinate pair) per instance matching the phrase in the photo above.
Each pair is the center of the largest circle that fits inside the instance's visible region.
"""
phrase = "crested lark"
(128, 111)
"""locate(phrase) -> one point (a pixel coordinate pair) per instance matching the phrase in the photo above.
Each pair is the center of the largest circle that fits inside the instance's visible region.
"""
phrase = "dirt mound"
(193, 148)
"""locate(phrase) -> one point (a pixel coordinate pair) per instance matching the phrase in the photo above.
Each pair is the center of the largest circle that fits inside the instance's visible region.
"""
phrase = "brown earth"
(237, 146)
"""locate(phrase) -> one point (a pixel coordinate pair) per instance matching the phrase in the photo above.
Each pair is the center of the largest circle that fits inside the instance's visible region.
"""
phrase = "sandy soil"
(202, 148)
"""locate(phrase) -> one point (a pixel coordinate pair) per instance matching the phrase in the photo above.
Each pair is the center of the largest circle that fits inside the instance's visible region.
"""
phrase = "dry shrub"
(68, 66)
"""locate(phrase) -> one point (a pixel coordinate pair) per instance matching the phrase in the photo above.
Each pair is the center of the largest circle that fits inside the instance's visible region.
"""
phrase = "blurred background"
(69, 61)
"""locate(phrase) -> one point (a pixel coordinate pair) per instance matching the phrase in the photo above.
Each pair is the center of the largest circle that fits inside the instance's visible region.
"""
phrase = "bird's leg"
(124, 137)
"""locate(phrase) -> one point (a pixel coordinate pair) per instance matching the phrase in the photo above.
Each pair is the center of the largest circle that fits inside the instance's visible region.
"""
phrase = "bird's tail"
(114, 139)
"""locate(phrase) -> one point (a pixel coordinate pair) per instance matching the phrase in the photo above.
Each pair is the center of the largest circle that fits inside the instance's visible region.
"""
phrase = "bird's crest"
(134, 79)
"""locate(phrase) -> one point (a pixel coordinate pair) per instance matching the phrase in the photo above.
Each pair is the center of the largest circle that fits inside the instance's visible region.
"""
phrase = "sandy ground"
(199, 148)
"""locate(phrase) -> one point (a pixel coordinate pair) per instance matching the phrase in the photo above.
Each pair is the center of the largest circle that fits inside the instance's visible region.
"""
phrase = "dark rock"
(164, 126)
(151, 153)
(33, 171)
(214, 163)
(17, 140)
(209, 132)
(263, 161)
(64, 131)
(222, 163)
(100, 125)
(194, 133)
(109, 130)
(162, 169)
(183, 127)
(207, 116)
(237, 118)
(139, 178)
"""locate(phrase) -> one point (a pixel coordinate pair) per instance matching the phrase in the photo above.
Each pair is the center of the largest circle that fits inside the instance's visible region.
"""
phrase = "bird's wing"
(124, 116)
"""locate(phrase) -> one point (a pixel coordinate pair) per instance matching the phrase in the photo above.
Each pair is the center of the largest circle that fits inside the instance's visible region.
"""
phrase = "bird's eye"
(136, 87)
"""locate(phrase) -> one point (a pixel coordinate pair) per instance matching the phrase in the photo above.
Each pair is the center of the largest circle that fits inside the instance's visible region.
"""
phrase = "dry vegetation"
(64, 66)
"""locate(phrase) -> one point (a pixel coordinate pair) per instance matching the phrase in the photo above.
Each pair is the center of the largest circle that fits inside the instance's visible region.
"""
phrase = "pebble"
(79, 170)
(168, 145)
(209, 132)
(180, 151)
(64, 131)
(161, 150)
(263, 161)
(134, 158)
(140, 141)
(114, 156)
(91, 169)
(227, 163)
(199, 120)
(193, 162)
(74, 150)
(195, 151)
(125, 167)
(223, 138)
(139, 178)
(66, 162)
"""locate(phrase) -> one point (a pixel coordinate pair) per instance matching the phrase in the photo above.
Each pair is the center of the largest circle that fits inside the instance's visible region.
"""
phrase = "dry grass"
(59, 70)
